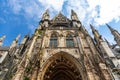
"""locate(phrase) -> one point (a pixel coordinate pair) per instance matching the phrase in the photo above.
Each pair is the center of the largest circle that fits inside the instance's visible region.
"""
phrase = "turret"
(46, 15)
(75, 20)
(1, 40)
(45, 19)
(116, 34)
(74, 16)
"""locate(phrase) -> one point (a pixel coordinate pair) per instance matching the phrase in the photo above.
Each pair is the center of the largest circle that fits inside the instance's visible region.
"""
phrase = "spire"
(46, 15)
(74, 15)
(14, 43)
(75, 20)
(17, 38)
(111, 29)
(93, 29)
(45, 20)
(116, 34)
(97, 36)
(1, 40)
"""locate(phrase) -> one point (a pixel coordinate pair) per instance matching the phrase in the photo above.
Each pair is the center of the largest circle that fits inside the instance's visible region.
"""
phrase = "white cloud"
(97, 12)
(78, 7)
(53, 4)
(109, 10)
(15, 5)
(29, 9)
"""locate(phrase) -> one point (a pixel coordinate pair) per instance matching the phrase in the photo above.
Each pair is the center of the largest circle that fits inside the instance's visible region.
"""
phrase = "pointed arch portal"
(61, 67)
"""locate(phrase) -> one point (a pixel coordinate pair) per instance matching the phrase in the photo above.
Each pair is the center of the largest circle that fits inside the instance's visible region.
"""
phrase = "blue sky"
(22, 16)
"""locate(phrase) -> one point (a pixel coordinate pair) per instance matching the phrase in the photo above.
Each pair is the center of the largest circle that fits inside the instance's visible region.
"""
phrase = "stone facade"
(61, 49)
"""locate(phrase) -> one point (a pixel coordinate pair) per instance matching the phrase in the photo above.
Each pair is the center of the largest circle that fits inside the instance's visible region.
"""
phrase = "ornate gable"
(60, 18)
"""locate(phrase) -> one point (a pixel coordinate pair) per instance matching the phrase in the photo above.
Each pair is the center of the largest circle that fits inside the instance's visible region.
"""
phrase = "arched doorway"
(62, 67)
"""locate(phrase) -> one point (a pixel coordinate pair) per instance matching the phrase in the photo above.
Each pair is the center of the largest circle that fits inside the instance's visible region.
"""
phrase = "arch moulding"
(62, 63)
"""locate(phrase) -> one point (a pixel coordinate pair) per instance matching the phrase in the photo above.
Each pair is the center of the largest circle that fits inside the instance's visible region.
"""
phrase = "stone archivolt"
(62, 68)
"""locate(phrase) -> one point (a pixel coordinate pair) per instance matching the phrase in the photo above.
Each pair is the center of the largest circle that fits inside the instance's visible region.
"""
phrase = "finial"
(60, 12)
(14, 43)
(93, 29)
(96, 33)
(17, 38)
(110, 27)
(74, 15)
(1, 40)
(73, 12)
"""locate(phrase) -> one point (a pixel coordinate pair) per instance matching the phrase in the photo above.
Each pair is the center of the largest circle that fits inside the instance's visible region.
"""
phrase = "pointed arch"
(54, 32)
(62, 66)
(53, 40)
(70, 33)
(69, 41)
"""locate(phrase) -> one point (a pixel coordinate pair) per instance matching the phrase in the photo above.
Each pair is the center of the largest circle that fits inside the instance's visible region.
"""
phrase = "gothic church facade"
(60, 49)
